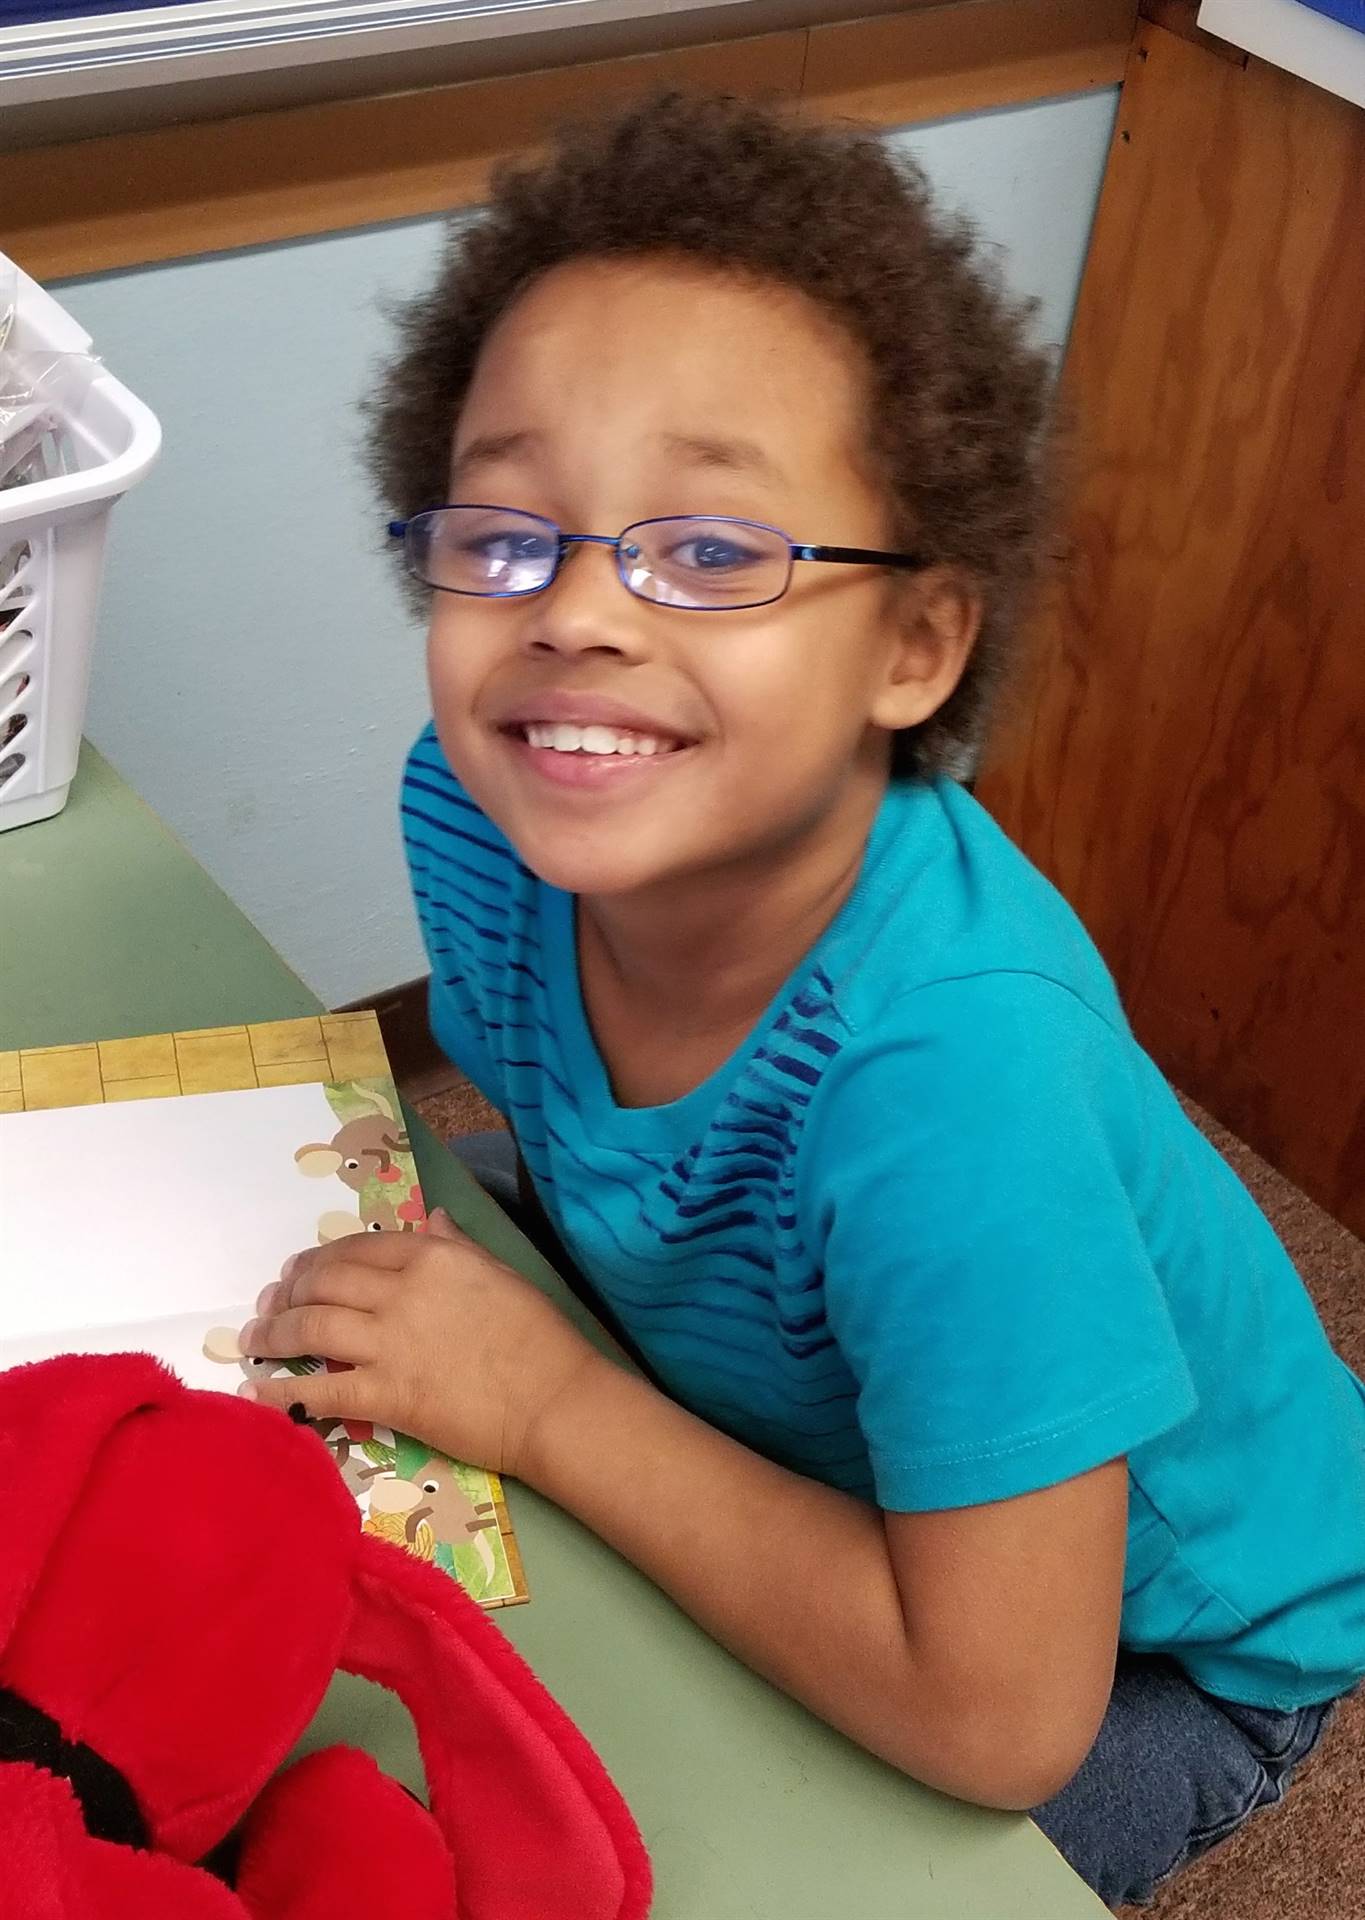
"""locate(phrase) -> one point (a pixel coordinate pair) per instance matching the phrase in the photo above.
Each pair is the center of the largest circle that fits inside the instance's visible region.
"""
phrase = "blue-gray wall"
(256, 677)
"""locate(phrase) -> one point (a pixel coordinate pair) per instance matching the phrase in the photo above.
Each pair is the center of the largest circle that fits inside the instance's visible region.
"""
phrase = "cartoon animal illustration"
(221, 1344)
(360, 1151)
(429, 1508)
(342, 1437)
(396, 1514)
(346, 1448)
(418, 1512)
(408, 1215)
(364, 1153)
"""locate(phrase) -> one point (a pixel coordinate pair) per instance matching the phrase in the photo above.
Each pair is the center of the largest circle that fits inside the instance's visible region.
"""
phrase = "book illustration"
(435, 1508)
(151, 1188)
(430, 1506)
(370, 1153)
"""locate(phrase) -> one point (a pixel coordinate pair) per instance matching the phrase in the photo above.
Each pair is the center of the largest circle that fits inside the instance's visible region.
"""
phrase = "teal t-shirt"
(938, 1233)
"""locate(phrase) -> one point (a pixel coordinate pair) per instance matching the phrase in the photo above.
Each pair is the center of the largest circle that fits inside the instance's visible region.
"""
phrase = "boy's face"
(612, 393)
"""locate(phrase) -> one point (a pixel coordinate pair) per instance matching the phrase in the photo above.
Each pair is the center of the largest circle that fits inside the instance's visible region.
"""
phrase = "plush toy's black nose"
(107, 1802)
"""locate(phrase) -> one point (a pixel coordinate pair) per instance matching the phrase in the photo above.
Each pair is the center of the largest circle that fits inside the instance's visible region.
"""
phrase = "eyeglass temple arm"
(861, 556)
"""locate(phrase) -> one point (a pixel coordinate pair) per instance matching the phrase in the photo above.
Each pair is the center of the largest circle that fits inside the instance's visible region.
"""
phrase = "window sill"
(80, 77)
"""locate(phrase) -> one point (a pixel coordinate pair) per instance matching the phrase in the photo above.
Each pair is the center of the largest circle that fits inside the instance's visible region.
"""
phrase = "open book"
(150, 1188)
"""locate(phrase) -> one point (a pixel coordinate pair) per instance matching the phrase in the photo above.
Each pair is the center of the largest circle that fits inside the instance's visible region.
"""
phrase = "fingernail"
(247, 1391)
(266, 1299)
(244, 1337)
(288, 1269)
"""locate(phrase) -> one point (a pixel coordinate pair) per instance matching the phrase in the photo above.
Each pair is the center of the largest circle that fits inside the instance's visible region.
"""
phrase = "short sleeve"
(986, 1274)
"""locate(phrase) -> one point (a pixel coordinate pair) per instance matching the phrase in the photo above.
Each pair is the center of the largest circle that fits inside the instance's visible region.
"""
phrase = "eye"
(431, 1486)
(374, 1226)
(714, 553)
(515, 546)
(502, 553)
(351, 1165)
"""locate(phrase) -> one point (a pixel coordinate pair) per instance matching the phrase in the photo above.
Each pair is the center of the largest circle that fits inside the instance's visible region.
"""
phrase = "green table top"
(749, 1806)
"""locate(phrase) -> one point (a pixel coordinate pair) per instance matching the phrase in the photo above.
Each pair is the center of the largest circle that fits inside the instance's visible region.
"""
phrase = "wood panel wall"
(1190, 764)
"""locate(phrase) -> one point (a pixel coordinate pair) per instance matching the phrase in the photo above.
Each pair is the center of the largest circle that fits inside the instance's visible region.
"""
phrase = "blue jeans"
(1172, 1772)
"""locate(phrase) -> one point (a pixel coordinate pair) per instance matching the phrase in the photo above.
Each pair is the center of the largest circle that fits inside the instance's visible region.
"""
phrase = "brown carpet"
(1303, 1860)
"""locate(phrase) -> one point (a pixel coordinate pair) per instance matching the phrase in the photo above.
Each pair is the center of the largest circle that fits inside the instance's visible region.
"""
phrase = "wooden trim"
(997, 53)
(1181, 17)
(130, 199)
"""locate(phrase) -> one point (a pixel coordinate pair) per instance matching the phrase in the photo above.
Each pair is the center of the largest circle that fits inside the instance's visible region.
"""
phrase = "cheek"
(442, 667)
(457, 656)
(799, 689)
(453, 687)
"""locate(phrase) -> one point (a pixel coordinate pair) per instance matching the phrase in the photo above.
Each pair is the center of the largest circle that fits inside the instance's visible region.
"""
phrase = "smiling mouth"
(594, 742)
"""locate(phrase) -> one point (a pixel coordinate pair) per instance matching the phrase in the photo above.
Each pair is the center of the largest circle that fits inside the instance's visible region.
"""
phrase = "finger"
(338, 1333)
(381, 1252)
(442, 1227)
(335, 1284)
(323, 1396)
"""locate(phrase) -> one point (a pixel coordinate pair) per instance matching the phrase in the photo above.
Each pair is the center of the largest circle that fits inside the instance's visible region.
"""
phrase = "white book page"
(142, 1224)
(152, 1225)
(178, 1340)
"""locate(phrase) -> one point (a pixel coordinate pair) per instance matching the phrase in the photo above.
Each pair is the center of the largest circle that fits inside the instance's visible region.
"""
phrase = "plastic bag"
(9, 297)
(37, 387)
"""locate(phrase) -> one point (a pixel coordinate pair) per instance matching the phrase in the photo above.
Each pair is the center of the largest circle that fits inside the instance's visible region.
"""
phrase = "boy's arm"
(972, 1648)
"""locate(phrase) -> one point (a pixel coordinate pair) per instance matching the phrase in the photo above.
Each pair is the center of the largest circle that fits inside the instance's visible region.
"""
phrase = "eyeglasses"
(706, 563)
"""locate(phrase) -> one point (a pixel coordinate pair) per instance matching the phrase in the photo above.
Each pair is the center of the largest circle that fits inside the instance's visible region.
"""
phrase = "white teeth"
(562, 737)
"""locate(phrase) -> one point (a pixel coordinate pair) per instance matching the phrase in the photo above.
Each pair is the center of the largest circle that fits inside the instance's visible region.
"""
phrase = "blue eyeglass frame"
(799, 550)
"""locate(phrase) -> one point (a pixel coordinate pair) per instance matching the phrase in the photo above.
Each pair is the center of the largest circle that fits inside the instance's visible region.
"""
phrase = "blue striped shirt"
(937, 1233)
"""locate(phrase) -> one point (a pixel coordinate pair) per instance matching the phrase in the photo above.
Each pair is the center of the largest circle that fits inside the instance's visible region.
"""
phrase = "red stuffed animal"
(182, 1574)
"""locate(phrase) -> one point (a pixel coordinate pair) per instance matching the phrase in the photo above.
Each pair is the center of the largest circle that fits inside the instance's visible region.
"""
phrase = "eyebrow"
(730, 456)
(698, 450)
(488, 448)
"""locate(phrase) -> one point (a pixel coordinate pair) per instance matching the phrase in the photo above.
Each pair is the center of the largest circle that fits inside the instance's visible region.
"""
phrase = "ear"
(317, 1160)
(533, 1823)
(372, 1097)
(336, 1226)
(937, 617)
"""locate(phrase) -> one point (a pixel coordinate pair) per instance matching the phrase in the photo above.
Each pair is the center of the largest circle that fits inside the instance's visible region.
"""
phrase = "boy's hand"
(439, 1339)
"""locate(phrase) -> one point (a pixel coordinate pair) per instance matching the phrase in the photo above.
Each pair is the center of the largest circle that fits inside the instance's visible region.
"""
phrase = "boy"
(997, 1381)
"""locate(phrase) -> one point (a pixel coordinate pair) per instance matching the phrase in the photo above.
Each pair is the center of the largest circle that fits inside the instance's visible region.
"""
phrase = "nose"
(586, 609)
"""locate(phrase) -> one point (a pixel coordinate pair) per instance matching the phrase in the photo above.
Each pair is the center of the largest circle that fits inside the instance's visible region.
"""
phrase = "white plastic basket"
(96, 443)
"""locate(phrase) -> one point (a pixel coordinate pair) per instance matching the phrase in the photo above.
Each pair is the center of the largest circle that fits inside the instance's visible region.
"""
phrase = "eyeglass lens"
(676, 561)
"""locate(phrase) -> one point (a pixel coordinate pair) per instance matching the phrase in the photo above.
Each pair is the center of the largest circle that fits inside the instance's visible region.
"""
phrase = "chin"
(582, 867)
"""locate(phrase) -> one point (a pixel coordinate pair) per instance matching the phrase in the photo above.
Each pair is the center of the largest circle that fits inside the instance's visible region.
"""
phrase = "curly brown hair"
(958, 397)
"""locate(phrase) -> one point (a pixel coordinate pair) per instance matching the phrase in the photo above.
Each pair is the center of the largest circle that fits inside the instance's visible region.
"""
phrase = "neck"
(709, 950)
